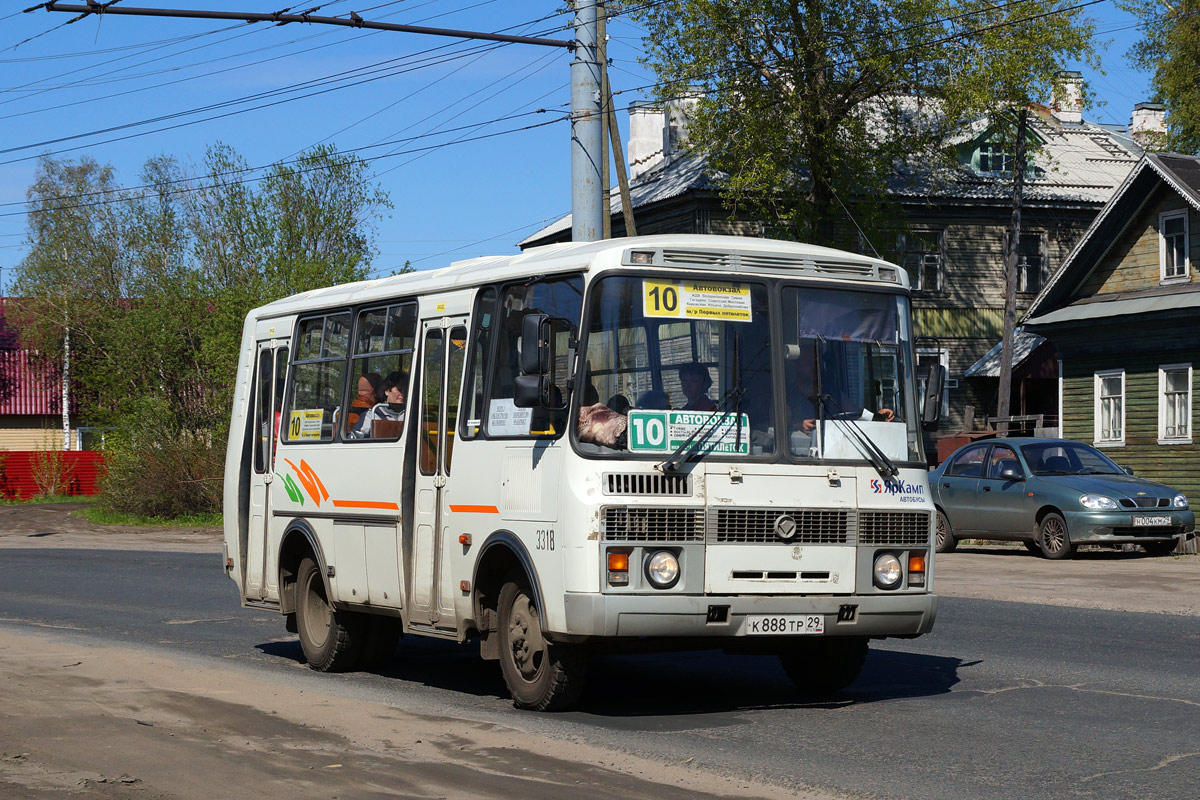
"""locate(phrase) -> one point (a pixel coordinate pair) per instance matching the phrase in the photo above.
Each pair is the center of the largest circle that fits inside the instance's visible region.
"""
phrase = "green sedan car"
(1053, 495)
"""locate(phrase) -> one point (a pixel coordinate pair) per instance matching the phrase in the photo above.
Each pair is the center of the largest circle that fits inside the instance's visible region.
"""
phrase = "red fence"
(77, 472)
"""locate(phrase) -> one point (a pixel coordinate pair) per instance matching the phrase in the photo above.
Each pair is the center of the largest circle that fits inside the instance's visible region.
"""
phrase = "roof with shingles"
(1081, 163)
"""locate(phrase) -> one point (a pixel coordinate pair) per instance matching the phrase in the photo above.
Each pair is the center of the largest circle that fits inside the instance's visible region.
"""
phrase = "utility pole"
(586, 127)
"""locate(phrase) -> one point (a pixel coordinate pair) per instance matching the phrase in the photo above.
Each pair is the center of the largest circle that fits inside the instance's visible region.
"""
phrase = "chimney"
(1148, 124)
(679, 113)
(1066, 104)
(646, 134)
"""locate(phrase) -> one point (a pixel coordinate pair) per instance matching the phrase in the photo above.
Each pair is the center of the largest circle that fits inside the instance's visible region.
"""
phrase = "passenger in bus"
(696, 381)
(383, 420)
(836, 400)
(369, 394)
(655, 399)
(619, 403)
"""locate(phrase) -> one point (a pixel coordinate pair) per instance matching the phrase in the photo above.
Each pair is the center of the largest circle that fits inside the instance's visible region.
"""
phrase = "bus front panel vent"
(645, 524)
(646, 484)
(894, 528)
(780, 526)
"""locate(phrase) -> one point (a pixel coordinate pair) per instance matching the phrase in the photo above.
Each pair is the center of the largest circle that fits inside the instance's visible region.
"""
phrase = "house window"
(1031, 262)
(922, 257)
(1173, 251)
(994, 159)
(1175, 404)
(926, 357)
(1110, 407)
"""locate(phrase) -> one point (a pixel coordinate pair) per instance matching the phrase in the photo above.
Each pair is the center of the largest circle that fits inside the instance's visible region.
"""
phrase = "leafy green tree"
(1170, 51)
(804, 104)
(154, 285)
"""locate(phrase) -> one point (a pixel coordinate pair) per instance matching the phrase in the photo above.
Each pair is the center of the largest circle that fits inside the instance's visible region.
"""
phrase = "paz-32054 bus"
(666, 441)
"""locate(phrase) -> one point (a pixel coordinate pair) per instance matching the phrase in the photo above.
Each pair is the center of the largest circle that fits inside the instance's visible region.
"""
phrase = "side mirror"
(535, 344)
(538, 383)
(931, 403)
(1010, 474)
(1128, 470)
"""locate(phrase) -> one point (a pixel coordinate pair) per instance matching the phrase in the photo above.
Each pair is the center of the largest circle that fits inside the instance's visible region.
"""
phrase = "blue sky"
(456, 201)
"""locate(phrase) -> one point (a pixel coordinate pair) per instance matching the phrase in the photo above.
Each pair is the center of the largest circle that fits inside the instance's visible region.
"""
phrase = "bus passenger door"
(443, 343)
(269, 374)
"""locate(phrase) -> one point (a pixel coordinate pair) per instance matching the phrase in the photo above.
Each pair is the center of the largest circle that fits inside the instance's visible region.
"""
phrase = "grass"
(103, 517)
(40, 499)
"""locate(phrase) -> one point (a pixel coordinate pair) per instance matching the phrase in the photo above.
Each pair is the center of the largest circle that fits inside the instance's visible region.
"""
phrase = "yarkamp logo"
(897, 487)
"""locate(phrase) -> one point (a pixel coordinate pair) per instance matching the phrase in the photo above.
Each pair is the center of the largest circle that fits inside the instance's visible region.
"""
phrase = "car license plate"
(1145, 522)
(784, 624)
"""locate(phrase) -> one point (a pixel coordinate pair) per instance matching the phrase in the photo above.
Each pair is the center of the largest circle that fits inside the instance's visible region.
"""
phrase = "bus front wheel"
(825, 666)
(331, 640)
(541, 675)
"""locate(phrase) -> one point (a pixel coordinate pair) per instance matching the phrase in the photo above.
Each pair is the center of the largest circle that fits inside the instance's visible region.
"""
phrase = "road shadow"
(1085, 553)
(664, 691)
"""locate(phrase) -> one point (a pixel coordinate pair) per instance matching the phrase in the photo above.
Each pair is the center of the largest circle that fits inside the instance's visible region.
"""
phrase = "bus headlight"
(888, 571)
(662, 569)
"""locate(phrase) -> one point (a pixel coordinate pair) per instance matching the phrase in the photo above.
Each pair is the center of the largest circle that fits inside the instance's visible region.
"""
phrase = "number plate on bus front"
(784, 624)
(1144, 522)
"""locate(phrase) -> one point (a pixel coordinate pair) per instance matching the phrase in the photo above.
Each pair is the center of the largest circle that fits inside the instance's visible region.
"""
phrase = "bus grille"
(647, 484)
(757, 525)
(641, 524)
(893, 528)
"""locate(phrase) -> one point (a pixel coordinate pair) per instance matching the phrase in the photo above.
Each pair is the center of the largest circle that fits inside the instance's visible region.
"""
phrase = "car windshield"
(1068, 458)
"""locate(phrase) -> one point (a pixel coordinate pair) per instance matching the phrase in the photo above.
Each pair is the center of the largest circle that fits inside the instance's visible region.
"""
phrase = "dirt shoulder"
(102, 722)
(1097, 579)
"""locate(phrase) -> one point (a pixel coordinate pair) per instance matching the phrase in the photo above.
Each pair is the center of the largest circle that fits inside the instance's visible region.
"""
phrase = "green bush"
(157, 472)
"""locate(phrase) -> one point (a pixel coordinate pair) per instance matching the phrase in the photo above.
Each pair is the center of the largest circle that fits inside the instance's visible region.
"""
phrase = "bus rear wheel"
(825, 666)
(331, 640)
(541, 675)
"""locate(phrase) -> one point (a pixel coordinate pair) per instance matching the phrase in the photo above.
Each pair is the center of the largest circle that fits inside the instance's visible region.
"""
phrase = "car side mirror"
(931, 402)
(1128, 470)
(1010, 474)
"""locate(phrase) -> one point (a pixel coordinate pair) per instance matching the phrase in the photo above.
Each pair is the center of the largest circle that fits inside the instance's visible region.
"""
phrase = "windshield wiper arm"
(706, 429)
(866, 445)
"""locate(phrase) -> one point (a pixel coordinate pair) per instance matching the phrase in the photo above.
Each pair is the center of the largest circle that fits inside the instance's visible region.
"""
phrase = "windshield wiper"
(865, 444)
(707, 428)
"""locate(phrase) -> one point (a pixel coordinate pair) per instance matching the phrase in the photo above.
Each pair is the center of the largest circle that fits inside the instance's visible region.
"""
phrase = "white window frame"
(917, 280)
(1163, 219)
(1098, 382)
(1162, 404)
(943, 357)
(1043, 254)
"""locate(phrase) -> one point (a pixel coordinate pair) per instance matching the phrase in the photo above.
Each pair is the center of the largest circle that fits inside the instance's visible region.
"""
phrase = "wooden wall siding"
(958, 323)
(1133, 261)
(1177, 466)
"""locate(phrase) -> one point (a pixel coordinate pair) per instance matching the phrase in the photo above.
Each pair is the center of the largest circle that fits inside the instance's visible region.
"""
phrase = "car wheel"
(331, 640)
(1160, 548)
(944, 541)
(826, 665)
(1053, 540)
(541, 675)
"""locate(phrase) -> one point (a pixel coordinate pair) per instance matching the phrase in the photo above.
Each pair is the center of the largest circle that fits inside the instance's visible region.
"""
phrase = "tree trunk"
(1003, 404)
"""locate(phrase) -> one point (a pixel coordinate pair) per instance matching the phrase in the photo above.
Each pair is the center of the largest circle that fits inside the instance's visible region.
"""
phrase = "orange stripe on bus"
(365, 504)
(475, 509)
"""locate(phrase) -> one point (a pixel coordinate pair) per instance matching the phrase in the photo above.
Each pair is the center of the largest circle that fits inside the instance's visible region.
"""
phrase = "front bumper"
(688, 616)
(1117, 527)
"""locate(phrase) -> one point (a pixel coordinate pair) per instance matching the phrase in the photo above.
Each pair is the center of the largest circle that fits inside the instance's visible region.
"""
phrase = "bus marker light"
(618, 568)
(916, 562)
(465, 586)
(464, 539)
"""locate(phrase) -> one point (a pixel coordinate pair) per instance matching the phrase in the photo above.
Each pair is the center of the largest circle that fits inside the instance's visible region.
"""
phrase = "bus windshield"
(663, 355)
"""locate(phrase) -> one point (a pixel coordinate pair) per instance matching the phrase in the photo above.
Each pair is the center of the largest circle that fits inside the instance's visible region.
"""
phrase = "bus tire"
(331, 640)
(541, 676)
(827, 665)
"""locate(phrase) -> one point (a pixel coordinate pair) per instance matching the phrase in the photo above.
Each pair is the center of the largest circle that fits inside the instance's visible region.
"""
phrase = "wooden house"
(1123, 314)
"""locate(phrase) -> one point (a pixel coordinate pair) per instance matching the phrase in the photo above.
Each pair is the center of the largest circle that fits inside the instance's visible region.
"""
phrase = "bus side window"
(318, 378)
(383, 350)
(480, 358)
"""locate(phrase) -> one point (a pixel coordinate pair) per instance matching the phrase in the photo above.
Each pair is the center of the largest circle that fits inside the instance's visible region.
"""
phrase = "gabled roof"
(1180, 172)
(1083, 163)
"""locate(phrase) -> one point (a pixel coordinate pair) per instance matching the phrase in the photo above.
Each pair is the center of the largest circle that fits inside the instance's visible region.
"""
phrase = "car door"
(1003, 503)
(958, 487)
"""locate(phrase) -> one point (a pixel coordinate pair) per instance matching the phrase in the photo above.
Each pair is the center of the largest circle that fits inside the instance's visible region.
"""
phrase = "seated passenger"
(696, 381)
(389, 411)
(655, 399)
(369, 387)
(619, 403)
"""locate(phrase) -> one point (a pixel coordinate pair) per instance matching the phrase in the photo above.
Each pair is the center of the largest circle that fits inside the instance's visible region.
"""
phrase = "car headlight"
(888, 571)
(1097, 502)
(1180, 501)
(662, 569)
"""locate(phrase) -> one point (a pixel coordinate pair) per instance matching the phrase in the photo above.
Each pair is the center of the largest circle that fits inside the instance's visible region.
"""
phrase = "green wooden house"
(1123, 314)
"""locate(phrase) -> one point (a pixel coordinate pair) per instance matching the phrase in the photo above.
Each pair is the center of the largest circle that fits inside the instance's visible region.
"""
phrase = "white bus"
(659, 442)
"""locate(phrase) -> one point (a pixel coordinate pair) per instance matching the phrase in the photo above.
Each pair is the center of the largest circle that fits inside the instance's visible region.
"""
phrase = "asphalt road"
(1003, 700)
